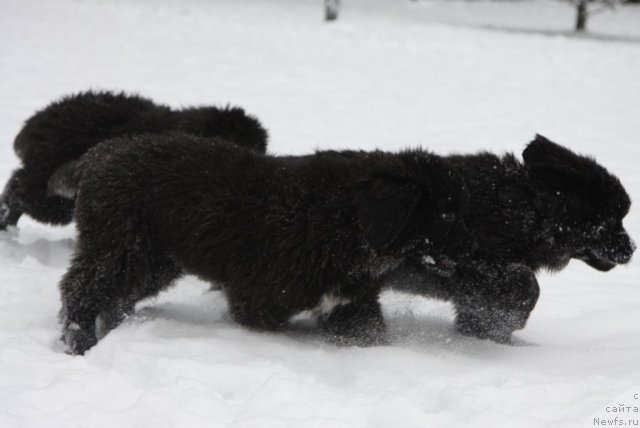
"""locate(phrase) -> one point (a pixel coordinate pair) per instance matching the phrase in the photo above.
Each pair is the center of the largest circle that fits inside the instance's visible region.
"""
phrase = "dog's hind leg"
(103, 284)
(10, 204)
(147, 275)
(26, 193)
(85, 291)
(91, 305)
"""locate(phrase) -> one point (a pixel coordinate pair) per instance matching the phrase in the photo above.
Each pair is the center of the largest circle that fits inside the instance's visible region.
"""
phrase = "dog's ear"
(582, 182)
(554, 166)
(384, 206)
(543, 153)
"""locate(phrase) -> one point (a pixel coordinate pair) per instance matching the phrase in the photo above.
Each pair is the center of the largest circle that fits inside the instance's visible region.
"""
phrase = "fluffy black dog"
(54, 138)
(281, 234)
(555, 206)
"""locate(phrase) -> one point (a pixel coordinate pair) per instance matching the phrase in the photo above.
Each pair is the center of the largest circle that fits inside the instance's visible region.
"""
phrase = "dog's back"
(55, 138)
(65, 129)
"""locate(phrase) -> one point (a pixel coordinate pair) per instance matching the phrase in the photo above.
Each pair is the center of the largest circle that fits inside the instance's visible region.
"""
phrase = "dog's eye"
(448, 217)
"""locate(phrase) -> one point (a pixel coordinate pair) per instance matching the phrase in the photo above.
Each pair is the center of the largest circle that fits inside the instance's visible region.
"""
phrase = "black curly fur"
(281, 234)
(539, 214)
(55, 137)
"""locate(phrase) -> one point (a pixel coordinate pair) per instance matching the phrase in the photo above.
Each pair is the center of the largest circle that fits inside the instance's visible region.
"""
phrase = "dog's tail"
(64, 181)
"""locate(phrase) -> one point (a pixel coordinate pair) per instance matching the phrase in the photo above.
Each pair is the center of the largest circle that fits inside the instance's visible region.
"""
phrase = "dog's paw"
(8, 220)
(497, 335)
(77, 340)
(6, 228)
(355, 324)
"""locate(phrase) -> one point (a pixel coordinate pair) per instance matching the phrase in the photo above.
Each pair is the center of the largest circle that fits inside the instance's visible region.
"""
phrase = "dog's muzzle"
(605, 258)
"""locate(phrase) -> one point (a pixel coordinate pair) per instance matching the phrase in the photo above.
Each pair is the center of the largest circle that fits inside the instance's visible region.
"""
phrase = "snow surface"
(454, 77)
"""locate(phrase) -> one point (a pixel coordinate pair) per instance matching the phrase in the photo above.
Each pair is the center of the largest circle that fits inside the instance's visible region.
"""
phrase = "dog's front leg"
(358, 322)
(493, 301)
(262, 316)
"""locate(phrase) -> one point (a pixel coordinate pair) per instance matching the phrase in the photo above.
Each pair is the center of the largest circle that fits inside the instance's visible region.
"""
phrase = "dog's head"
(584, 203)
(413, 207)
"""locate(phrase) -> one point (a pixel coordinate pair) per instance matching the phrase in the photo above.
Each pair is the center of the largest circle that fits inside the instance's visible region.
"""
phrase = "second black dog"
(53, 139)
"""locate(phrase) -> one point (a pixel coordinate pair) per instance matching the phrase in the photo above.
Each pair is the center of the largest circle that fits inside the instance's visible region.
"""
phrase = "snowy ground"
(451, 76)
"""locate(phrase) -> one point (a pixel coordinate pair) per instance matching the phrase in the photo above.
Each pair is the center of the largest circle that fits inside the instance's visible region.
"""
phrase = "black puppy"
(54, 138)
(281, 234)
(539, 214)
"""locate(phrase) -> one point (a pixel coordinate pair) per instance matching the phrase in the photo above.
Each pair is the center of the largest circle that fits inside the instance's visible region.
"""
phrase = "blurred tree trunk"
(331, 9)
(582, 14)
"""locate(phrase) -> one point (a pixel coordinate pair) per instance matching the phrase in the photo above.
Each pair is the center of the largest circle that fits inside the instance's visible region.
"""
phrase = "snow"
(452, 76)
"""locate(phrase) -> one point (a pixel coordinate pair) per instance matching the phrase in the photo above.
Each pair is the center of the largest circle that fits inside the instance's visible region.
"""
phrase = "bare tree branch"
(606, 5)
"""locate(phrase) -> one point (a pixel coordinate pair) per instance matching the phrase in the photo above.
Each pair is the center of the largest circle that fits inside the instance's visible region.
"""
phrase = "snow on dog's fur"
(281, 234)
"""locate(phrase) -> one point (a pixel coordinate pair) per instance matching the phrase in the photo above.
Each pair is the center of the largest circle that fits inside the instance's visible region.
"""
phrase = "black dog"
(54, 138)
(539, 214)
(281, 234)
